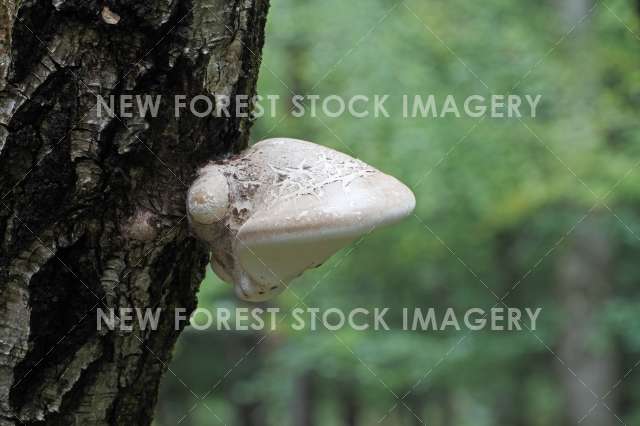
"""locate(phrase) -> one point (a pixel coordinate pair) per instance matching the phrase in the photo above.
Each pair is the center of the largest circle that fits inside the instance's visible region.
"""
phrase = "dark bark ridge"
(92, 212)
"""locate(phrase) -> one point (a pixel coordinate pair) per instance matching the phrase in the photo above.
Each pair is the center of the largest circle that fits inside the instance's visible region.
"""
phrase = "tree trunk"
(584, 282)
(350, 406)
(302, 406)
(92, 211)
(249, 414)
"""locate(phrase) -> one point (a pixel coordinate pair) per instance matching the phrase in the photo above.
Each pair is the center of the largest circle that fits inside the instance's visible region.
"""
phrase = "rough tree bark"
(92, 212)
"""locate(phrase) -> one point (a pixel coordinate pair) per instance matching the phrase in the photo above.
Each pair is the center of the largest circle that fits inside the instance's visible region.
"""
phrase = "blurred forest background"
(545, 211)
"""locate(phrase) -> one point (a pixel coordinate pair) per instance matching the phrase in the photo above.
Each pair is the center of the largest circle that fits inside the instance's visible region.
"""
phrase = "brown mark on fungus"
(285, 206)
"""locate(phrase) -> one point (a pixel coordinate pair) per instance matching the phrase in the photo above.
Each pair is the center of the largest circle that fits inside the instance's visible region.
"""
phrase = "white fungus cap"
(308, 202)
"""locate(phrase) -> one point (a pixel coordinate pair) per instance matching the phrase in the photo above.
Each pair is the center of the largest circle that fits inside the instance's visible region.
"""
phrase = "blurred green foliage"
(499, 201)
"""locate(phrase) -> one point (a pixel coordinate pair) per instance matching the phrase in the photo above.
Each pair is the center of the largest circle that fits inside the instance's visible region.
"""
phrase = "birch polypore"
(285, 206)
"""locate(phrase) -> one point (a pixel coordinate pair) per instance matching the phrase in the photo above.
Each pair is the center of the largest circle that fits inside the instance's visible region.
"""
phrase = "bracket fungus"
(284, 206)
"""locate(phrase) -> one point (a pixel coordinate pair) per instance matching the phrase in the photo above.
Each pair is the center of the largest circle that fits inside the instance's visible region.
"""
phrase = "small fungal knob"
(288, 206)
(208, 198)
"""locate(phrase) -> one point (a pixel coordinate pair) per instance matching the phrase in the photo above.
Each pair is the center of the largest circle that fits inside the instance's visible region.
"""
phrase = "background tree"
(92, 210)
